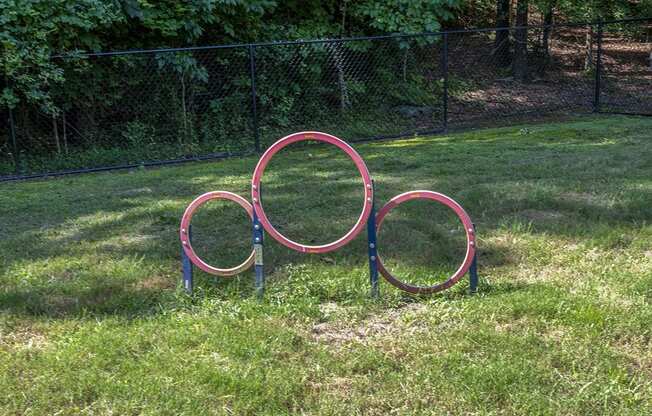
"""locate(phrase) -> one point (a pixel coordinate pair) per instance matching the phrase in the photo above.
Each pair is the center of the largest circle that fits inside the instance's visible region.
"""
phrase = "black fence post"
(254, 112)
(598, 70)
(445, 86)
(14, 142)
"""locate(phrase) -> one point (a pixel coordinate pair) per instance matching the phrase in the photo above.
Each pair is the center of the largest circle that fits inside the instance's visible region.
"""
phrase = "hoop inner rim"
(187, 244)
(326, 138)
(468, 229)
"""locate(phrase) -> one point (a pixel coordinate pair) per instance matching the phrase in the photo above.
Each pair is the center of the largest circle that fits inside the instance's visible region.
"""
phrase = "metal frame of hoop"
(372, 224)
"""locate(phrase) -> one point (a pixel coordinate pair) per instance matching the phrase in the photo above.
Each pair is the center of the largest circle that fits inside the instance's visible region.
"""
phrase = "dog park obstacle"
(368, 217)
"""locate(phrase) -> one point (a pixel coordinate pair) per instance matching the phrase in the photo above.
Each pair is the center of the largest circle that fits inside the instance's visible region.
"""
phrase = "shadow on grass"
(99, 300)
(578, 187)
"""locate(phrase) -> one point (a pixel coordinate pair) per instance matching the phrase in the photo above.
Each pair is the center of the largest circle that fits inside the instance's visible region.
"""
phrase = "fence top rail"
(338, 40)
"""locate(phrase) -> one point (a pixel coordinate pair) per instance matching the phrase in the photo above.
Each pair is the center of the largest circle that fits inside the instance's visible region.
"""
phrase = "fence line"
(185, 104)
(346, 39)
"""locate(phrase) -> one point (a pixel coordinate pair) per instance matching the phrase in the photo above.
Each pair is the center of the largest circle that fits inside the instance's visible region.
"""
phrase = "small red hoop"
(326, 138)
(468, 228)
(185, 240)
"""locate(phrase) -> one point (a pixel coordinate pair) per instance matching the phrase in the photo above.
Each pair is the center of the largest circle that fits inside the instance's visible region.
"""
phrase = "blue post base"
(473, 271)
(258, 250)
(186, 267)
(372, 249)
(473, 275)
(372, 246)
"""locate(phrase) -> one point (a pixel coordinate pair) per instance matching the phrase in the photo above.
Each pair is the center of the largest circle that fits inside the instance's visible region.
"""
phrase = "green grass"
(93, 319)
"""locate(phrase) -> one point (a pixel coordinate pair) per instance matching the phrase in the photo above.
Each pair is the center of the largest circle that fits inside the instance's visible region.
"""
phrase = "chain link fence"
(127, 109)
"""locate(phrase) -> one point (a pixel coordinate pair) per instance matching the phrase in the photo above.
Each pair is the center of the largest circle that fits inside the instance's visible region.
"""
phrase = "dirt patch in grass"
(339, 385)
(156, 282)
(630, 347)
(390, 322)
(25, 337)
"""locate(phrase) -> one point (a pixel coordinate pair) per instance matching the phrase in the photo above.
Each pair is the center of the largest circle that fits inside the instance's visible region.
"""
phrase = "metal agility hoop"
(468, 229)
(325, 138)
(368, 217)
(185, 232)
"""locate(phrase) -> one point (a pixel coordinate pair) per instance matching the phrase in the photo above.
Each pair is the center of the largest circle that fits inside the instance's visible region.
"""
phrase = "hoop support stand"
(186, 266)
(370, 215)
(372, 244)
(473, 272)
(258, 249)
(372, 254)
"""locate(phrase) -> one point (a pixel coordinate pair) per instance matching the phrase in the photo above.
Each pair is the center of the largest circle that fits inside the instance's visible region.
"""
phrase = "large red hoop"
(468, 228)
(187, 245)
(326, 138)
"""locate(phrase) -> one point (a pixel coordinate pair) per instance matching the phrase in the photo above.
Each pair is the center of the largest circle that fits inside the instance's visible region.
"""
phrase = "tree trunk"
(502, 44)
(184, 111)
(545, 41)
(336, 54)
(520, 65)
(588, 43)
(55, 129)
(405, 63)
(65, 133)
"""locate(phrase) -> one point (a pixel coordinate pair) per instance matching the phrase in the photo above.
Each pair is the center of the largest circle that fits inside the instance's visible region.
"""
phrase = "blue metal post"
(258, 249)
(372, 245)
(186, 266)
(473, 271)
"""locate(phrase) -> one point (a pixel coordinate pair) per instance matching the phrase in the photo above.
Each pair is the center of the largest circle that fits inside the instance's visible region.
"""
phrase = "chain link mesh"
(132, 108)
(357, 89)
(626, 76)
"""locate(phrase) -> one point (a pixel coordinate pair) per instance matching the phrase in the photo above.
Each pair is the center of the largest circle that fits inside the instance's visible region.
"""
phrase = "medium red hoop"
(468, 228)
(185, 240)
(326, 138)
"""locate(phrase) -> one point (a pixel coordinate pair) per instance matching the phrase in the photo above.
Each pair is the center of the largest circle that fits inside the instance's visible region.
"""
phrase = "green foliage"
(188, 21)
(200, 100)
(407, 16)
(184, 66)
(596, 9)
(138, 135)
(31, 30)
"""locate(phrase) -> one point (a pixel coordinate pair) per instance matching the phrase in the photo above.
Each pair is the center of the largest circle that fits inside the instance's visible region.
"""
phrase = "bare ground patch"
(390, 322)
(25, 337)
(156, 282)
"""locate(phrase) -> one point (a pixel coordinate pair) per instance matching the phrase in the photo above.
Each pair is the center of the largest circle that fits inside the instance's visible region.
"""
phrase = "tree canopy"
(31, 31)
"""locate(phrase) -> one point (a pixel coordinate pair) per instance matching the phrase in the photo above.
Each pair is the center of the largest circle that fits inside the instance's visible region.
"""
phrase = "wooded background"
(70, 109)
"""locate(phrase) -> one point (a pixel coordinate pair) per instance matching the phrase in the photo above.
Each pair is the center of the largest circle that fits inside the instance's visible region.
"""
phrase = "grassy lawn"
(93, 319)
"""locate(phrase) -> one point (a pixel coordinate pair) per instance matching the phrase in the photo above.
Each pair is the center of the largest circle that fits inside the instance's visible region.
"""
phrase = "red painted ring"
(470, 240)
(185, 241)
(326, 138)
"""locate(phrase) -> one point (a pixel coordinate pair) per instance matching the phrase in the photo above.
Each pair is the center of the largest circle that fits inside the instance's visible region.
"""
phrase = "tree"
(188, 71)
(31, 31)
(548, 10)
(520, 64)
(408, 16)
(501, 43)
